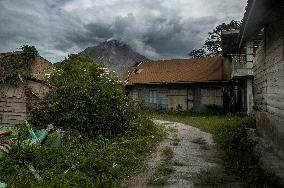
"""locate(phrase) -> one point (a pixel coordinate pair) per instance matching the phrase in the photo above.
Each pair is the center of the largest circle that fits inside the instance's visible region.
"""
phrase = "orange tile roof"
(180, 71)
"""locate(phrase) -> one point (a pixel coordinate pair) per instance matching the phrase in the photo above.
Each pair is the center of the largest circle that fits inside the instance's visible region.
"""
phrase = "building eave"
(258, 14)
(179, 82)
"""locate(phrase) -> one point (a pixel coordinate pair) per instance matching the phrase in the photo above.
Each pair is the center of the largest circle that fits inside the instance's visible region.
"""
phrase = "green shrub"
(87, 99)
(237, 149)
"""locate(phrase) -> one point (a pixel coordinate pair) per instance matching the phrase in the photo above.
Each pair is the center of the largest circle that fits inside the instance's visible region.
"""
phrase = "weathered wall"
(40, 68)
(212, 96)
(187, 97)
(177, 98)
(269, 86)
(149, 96)
(12, 105)
(17, 103)
(36, 93)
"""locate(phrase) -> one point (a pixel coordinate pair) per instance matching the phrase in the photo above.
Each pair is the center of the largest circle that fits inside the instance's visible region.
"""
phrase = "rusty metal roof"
(180, 71)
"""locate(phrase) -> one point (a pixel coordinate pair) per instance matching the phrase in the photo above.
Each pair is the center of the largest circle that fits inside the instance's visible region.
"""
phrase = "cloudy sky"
(158, 29)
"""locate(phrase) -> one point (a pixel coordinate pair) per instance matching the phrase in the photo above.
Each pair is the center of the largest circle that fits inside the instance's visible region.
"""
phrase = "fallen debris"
(9, 136)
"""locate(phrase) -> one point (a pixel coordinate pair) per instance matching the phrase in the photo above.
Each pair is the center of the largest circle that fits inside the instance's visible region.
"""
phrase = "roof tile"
(180, 70)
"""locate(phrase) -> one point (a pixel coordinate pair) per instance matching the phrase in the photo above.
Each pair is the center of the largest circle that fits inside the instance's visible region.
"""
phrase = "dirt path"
(185, 158)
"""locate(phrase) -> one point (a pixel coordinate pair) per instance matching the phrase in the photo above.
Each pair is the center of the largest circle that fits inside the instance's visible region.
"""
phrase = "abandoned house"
(262, 33)
(21, 95)
(185, 84)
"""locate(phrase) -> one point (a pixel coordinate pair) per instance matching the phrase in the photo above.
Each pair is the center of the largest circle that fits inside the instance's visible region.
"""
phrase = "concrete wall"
(269, 86)
(186, 97)
(36, 93)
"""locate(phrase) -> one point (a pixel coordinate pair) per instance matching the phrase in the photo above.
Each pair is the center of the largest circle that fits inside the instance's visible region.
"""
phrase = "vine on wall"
(17, 65)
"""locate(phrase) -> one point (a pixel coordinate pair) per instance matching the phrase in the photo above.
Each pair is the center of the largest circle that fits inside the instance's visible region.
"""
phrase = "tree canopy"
(212, 45)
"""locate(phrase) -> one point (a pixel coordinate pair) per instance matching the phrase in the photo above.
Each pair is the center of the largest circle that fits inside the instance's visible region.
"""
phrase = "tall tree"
(212, 45)
(198, 53)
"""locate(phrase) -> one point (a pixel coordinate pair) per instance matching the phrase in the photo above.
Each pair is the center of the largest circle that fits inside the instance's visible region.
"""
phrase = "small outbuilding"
(182, 84)
(22, 85)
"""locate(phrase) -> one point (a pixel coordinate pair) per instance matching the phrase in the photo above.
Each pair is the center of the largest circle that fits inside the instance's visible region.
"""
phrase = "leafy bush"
(87, 99)
(12, 66)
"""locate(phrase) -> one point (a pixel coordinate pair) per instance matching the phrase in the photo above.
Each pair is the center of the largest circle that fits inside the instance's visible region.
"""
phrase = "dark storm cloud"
(157, 29)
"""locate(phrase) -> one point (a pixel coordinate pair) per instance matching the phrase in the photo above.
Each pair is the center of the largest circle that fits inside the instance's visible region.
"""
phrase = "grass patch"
(206, 122)
(233, 143)
(164, 169)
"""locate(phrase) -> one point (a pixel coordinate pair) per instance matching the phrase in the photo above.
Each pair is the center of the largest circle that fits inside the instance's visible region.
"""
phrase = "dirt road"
(185, 158)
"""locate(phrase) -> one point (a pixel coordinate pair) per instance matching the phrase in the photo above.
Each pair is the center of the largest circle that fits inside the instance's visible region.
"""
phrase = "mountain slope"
(115, 55)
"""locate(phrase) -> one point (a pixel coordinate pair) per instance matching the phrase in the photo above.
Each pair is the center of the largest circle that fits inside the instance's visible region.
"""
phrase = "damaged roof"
(180, 71)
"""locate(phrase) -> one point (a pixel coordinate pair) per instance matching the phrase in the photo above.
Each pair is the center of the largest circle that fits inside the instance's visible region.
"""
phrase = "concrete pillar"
(249, 95)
